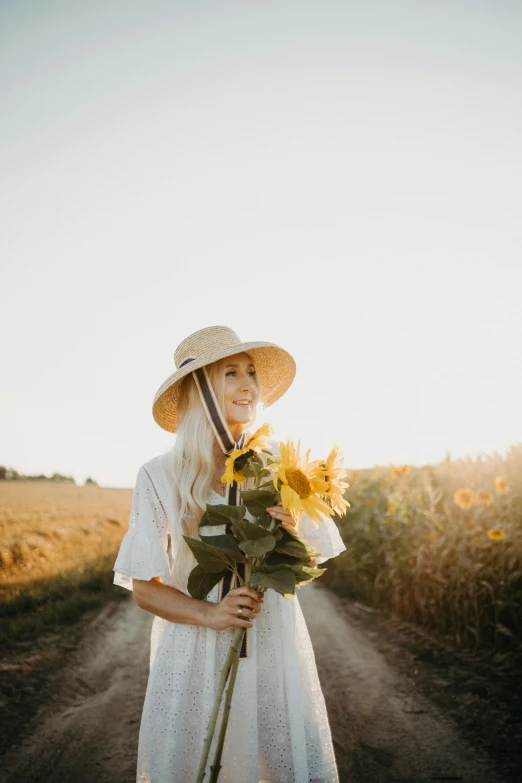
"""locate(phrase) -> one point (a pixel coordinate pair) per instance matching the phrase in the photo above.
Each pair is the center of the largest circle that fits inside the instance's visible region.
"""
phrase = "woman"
(278, 729)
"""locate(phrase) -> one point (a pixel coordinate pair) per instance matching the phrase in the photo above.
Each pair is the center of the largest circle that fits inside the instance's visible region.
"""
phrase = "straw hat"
(276, 368)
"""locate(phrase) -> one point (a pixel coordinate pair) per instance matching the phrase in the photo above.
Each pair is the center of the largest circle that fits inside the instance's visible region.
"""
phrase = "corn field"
(440, 546)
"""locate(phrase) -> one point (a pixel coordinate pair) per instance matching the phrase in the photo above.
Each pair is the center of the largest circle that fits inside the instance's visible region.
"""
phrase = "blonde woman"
(278, 729)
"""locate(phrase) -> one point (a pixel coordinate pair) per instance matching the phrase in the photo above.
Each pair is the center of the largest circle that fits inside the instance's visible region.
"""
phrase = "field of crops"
(58, 545)
(440, 546)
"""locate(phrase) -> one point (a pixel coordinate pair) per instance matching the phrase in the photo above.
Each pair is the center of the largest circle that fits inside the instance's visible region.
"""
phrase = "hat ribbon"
(227, 444)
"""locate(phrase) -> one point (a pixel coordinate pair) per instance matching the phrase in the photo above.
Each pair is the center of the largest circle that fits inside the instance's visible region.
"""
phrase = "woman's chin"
(237, 423)
(237, 426)
(240, 418)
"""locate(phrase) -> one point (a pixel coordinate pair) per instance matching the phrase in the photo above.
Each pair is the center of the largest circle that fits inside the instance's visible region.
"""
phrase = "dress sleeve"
(143, 552)
(325, 538)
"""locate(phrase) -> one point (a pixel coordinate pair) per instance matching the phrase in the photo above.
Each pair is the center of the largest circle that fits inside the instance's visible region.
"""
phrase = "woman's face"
(240, 391)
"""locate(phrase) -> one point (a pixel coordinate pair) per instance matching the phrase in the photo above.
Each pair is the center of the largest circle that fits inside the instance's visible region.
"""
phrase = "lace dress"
(278, 730)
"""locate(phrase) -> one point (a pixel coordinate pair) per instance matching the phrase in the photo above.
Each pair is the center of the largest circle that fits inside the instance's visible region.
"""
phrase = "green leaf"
(237, 530)
(292, 548)
(258, 500)
(282, 581)
(255, 469)
(256, 540)
(264, 568)
(310, 550)
(276, 559)
(222, 514)
(295, 546)
(201, 582)
(304, 573)
(228, 544)
(205, 520)
(265, 520)
(271, 485)
(258, 547)
(249, 530)
(249, 471)
(209, 557)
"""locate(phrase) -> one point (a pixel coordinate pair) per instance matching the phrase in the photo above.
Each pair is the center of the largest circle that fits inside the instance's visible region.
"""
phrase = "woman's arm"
(169, 603)
(177, 607)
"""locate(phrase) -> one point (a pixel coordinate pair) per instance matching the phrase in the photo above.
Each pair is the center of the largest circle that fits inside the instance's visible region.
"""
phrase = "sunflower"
(300, 483)
(238, 458)
(259, 440)
(400, 471)
(463, 498)
(501, 485)
(232, 474)
(332, 472)
(485, 498)
(496, 534)
(337, 502)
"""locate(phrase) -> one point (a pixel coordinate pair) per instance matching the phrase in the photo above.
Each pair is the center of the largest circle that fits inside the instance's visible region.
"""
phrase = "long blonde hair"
(193, 466)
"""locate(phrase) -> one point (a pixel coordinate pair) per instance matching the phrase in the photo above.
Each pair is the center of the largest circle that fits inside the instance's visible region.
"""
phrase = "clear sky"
(340, 178)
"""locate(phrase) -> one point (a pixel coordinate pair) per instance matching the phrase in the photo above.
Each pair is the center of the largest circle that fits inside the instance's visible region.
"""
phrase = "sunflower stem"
(225, 671)
(216, 766)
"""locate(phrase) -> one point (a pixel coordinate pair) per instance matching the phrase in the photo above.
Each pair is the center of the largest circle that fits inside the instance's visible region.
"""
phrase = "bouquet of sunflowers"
(272, 556)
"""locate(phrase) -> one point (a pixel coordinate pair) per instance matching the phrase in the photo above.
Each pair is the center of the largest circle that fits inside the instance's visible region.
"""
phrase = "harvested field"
(59, 543)
(48, 530)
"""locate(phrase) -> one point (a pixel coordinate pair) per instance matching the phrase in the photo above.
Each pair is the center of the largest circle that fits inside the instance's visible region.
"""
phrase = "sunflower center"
(298, 482)
(242, 460)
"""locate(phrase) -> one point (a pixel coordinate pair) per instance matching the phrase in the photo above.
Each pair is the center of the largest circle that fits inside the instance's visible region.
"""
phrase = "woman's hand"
(224, 614)
(285, 517)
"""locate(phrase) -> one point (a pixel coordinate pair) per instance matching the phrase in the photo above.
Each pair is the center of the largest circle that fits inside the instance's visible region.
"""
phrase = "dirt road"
(384, 730)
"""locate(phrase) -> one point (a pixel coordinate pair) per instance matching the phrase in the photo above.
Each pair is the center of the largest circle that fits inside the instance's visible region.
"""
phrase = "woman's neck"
(235, 431)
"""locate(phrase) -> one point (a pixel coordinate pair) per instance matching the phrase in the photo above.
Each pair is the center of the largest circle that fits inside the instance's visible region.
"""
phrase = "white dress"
(278, 730)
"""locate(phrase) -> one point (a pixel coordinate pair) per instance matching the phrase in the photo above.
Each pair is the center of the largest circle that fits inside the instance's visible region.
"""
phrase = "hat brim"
(275, 366)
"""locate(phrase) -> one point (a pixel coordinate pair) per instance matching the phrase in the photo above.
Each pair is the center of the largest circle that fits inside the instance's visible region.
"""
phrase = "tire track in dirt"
(384, 731)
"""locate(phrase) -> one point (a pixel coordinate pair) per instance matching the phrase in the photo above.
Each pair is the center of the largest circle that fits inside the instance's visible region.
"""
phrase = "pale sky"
(340, 178)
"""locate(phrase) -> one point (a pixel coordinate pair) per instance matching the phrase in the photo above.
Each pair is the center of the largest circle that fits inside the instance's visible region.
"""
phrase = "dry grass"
(58, 546)
(441, 546)
(49, 529)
